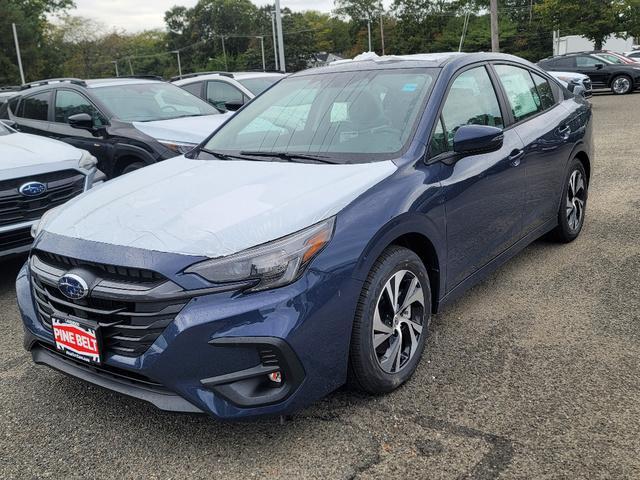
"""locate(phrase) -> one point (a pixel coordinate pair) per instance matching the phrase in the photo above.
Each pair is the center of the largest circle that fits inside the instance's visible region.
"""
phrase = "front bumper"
(216, 354)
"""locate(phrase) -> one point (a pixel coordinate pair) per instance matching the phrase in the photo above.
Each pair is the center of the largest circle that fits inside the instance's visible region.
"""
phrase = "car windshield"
(349, 117)
(144, 102)
(258, 85)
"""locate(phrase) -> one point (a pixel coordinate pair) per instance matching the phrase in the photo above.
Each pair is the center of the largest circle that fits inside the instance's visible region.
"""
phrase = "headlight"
(178, 147)
(87, 161)
(271, 265)
(36, 228)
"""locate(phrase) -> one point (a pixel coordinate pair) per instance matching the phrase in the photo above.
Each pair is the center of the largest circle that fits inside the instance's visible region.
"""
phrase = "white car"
(37, 174)
(576, 83)
(227, 91)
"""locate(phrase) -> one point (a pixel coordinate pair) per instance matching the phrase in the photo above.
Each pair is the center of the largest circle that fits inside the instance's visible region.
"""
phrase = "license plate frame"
(77, 338)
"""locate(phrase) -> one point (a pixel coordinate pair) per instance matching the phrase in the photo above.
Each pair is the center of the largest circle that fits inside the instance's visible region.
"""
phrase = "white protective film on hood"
(24, 150)
(186, 129)
(213, 208)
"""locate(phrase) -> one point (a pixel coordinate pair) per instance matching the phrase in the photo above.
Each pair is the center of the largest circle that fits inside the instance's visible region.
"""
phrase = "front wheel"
(573, 204)
(621, 85)
(391, 322)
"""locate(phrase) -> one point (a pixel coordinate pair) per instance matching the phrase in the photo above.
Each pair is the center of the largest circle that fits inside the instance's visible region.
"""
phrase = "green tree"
(594, 19)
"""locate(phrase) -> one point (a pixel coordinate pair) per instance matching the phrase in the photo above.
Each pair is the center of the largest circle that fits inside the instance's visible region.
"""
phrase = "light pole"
(177, 52)
(495, 42)
(369, 30)
(382, 26)
(15, 38)
(275, 43)
(283, 66)
(264, 66)
(115, 62)
(224, 52)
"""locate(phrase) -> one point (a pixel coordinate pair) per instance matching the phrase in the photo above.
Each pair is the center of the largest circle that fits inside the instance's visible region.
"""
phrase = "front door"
(68, 103)
(483, 193)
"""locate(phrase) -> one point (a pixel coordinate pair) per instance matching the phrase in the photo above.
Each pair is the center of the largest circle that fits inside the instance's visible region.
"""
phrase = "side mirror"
(474, 139)
(233, 106)
(599, 66)
(82, 121)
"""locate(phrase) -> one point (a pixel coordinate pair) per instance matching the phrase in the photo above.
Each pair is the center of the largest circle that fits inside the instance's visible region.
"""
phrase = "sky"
(136, 15)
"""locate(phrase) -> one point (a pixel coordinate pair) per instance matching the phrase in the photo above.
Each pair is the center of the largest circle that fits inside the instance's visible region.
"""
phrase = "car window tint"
(521, 91)
(35, 107)
(195, 88)
(219, 93)
(471, 101)
(585, 61)
(70, 103)
(544, 91)
(439, 143)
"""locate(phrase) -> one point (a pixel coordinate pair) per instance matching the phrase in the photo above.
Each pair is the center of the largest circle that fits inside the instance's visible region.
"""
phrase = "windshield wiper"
(290, 156)
(223, 156)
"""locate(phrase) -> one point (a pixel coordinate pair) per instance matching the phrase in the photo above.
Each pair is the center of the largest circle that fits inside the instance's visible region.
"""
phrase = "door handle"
(564, 131)
(515, 157)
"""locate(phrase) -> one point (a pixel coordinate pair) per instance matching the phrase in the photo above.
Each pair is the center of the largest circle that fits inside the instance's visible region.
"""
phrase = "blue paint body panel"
(473, 214)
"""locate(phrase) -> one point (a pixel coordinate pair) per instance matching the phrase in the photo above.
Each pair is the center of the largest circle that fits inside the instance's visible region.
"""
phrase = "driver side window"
(471, 101)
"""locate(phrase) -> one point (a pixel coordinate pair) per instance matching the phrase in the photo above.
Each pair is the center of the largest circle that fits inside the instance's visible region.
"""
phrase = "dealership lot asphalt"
(535, 373)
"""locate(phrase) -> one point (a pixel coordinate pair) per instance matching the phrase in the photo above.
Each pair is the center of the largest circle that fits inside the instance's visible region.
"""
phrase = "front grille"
(15, 239)
(16, 208)
(132, 306)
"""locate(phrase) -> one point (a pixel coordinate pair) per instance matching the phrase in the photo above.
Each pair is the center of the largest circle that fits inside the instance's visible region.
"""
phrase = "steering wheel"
(169, 108)
(387, 129)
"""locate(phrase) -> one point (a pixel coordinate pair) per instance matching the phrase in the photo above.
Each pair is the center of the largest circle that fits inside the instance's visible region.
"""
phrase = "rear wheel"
(621, 85)
(573, 205)
(391, 322)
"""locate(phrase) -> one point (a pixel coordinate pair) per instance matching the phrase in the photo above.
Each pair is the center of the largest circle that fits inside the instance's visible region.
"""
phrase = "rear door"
(33, 112)
(543, 126)
(484, 193)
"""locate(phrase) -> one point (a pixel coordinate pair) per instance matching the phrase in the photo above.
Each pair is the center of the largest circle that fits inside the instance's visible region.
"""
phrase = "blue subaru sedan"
(307, 242)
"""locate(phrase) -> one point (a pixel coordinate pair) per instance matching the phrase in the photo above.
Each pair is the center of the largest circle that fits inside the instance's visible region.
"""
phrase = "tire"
(133, 166)
(621, 85)
(573, 204)
(380, 370)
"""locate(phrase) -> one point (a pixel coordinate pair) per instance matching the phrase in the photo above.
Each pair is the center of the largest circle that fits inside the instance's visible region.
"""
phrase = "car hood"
(19, 150)
(187, 129)
(213, 208)
(581, 76)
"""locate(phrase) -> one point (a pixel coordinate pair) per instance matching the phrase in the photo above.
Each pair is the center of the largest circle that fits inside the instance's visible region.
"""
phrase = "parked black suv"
(126, 123)
(620, 78)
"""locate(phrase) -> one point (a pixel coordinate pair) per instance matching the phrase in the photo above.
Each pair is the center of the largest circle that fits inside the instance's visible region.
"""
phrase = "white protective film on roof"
(213, 208)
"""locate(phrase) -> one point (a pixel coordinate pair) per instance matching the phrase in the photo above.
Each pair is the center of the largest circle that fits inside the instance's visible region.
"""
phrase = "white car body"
(240, 82)
(29, 160)
(576, 83)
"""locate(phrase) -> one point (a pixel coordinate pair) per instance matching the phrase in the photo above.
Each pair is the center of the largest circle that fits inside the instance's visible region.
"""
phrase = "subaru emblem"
(73, 287)
(32, 189)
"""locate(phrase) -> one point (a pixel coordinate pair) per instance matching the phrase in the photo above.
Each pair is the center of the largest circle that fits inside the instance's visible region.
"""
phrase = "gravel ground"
(533, 374)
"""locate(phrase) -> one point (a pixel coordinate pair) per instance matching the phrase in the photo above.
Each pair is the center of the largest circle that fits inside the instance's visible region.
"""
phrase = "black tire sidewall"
(132, 167)
(566, 233)
(369, 375)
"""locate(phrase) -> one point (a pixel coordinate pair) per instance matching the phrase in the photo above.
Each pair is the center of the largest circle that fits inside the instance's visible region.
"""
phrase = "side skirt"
(494, 264)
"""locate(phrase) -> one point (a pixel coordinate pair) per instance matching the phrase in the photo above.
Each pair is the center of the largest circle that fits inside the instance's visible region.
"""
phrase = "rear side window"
(544, 91)
(521, 91)
(35, 107)
(471, 101)
(70, 103)
(562, 62)
(194, 88)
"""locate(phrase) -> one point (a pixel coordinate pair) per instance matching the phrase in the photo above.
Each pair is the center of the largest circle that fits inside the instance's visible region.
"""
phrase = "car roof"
(226, 76)
(371, 61)
(110, 82)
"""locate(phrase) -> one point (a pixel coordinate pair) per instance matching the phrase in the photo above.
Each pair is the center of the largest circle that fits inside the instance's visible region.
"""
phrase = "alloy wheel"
(576, 197)
(398, 321)
(621, 85)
